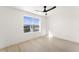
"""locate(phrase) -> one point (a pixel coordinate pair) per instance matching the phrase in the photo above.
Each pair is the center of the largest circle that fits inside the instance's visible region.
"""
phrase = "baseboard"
(65, 39)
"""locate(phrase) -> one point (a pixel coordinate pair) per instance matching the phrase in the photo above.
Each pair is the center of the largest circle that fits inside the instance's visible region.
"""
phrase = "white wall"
(64, 22)
(11, 26)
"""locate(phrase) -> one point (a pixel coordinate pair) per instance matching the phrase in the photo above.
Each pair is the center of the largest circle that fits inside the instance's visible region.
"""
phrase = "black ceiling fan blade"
(51, 8)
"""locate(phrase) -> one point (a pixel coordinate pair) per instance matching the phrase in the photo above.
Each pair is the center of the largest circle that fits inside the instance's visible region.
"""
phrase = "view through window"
(31, 24)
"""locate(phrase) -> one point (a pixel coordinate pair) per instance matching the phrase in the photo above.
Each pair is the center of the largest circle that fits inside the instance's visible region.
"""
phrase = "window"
(31, 24)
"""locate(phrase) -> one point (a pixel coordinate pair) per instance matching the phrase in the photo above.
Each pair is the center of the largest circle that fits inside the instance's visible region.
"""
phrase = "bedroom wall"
(63, 22)
(11, 26)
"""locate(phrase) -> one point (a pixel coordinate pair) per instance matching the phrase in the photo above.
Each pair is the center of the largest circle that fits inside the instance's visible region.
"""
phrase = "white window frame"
(31, 31)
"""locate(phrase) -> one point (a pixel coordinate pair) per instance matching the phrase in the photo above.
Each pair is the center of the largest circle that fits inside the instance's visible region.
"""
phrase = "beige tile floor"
(44, 44)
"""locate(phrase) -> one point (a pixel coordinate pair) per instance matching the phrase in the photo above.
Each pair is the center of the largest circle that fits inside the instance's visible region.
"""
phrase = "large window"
(31, 24)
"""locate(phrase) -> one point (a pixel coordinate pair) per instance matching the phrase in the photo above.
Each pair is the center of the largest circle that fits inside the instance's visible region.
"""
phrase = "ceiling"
(33, 9)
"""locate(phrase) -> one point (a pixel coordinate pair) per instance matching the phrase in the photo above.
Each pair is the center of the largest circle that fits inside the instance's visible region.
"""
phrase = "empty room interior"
(39, 28)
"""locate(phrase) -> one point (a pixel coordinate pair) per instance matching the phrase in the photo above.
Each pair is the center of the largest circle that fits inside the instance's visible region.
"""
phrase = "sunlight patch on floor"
(50, 35)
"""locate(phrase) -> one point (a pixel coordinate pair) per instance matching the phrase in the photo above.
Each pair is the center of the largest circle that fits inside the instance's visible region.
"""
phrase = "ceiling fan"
(45, 10)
